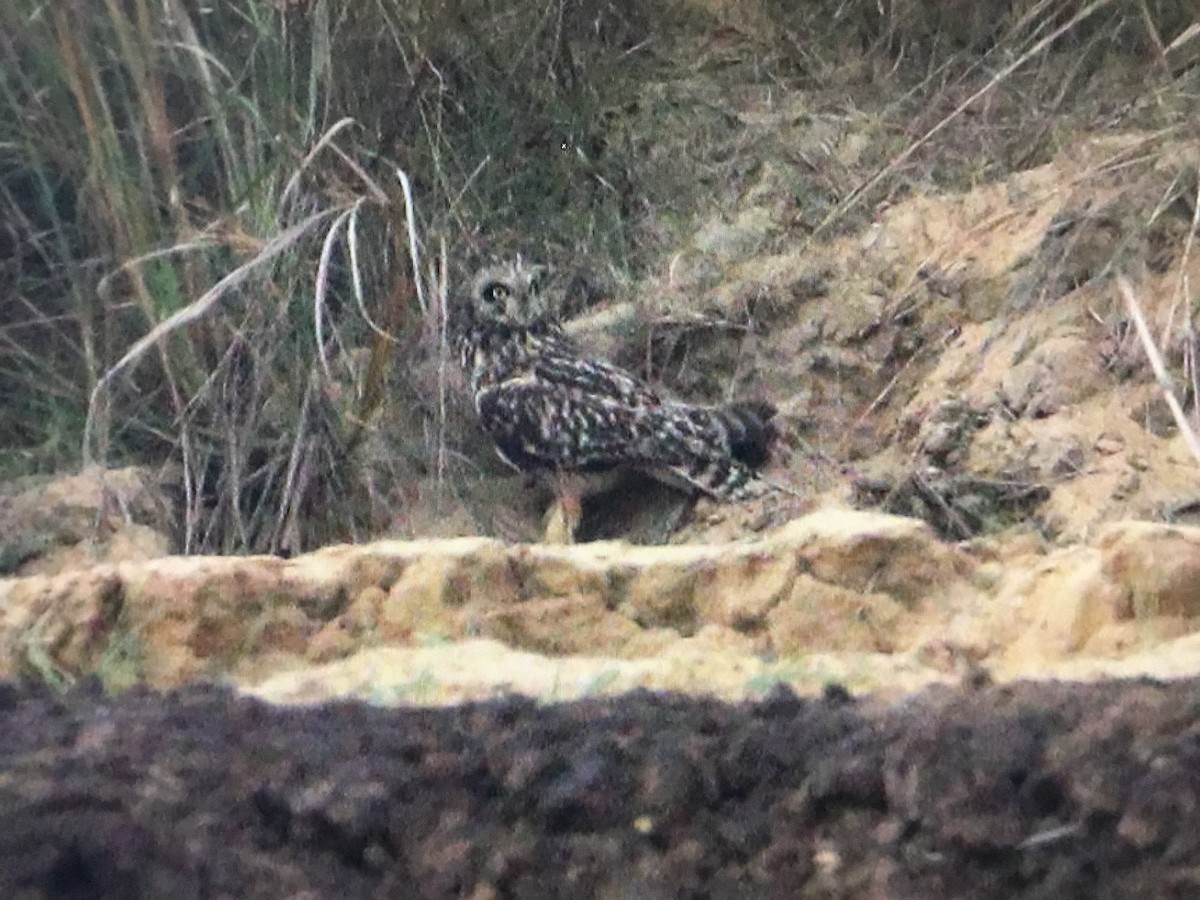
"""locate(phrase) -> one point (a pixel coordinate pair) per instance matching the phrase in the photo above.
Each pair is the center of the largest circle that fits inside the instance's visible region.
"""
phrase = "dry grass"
(213, 247)
(216, 225)
(1161, 375)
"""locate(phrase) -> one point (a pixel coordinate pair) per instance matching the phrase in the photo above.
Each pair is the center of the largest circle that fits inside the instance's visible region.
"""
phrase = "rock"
(742, 590)
(1062, 371)
(59, 627)
(660, 593)
(863, 551)
(842, 575)
(1156, 567)
(559, 626)
(1051, 611)
(53, 525)
(870, 599)
(822, 617)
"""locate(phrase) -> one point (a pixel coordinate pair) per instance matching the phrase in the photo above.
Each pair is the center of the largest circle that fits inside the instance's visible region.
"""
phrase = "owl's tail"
(750, 429)
(745, 432)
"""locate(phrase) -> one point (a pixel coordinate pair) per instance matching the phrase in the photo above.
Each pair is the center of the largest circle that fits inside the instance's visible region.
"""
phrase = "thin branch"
(1156, 363)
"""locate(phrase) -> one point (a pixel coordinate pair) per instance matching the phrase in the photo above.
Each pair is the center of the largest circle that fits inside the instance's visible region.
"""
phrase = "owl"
(565, 417)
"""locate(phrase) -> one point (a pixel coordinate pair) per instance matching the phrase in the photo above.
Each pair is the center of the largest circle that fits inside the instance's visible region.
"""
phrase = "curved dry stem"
(410, 215)
(1159, 367)
(191, 313)
(322, 288)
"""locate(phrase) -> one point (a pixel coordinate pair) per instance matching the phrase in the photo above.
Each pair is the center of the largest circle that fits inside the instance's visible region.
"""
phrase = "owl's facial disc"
(511, 294)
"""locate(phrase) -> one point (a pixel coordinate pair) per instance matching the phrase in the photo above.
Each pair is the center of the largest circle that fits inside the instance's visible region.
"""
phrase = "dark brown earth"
(1032, 790)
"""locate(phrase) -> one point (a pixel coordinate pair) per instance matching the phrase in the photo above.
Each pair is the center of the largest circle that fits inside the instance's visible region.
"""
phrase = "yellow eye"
(496, 292)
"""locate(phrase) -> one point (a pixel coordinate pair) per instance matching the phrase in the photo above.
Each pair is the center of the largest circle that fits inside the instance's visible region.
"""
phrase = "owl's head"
(510, 293)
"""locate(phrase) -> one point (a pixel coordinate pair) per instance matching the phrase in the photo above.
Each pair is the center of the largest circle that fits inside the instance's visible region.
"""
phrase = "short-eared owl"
(554, 411)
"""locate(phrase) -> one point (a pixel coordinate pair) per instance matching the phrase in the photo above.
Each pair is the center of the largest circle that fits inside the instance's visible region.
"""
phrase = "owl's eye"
(495, 292)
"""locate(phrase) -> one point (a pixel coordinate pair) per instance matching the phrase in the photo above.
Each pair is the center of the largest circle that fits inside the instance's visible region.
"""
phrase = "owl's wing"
(594, 378)
(542, 424)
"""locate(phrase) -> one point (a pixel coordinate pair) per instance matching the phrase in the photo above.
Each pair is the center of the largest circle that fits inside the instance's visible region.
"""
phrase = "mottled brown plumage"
(554, 411)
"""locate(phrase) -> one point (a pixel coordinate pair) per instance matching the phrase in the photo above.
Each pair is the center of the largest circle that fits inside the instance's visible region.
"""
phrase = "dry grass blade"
(322, 288)
(410, 221)
(203, 242)
(1156, 363)
(193, 311)
(325, 140)
(286, 526)
(441, 279)
(894, 164)
(356, 279)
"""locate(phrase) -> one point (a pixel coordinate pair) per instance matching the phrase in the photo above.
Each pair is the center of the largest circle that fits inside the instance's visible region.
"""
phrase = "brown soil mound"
(1030, 790)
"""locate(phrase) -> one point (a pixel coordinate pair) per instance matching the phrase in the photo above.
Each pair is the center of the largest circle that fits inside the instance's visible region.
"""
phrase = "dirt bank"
(1029, 790)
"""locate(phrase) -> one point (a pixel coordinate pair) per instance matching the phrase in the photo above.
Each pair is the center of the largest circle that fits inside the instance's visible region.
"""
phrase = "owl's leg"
(562, 518)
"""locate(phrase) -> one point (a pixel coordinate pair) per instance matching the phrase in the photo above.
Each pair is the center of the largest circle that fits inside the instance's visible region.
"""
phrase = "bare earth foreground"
(1026, 790)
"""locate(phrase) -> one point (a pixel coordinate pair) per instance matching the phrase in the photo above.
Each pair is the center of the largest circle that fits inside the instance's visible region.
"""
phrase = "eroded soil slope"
(1029, 790)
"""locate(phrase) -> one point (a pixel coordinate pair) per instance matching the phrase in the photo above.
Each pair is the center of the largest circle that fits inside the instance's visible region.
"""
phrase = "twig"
(443, 331)
(1160, 369)
(1050, 836)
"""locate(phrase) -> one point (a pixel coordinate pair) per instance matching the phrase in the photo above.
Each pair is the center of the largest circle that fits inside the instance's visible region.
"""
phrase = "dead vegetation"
(209, 262)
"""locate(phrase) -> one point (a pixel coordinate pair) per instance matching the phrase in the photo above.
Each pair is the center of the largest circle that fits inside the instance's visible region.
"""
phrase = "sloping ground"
(975, 343)
(1027, 791)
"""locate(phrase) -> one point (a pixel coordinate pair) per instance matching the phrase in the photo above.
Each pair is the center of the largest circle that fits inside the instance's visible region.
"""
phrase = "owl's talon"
(562, 520)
